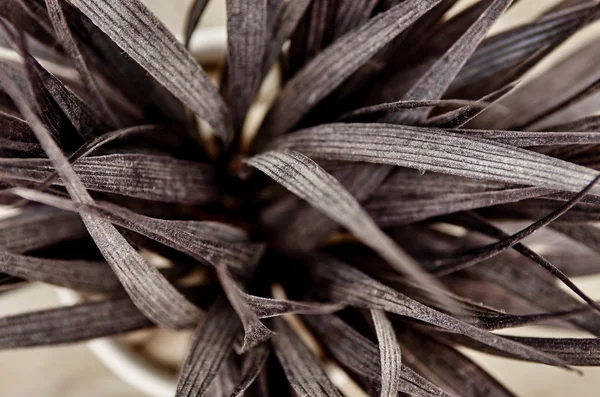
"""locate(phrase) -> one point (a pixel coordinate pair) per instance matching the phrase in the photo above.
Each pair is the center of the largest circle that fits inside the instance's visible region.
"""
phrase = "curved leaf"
(301, 368)
(341, 59)
(439, 151)
(150, 291)
(141, 35)
(389, 350)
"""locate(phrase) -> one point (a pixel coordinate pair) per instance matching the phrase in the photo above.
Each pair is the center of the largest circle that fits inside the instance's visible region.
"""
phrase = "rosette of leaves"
(395, 126)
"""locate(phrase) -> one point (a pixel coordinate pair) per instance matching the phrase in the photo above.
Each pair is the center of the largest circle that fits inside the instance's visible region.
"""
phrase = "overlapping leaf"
(301, 368)
(449, 367)
(151, 177)
(139, 33)
(246, 43)
(145, 285)
(344, 57)
(287, 19)
(307, 180)
(71, 323)
(509, 151)
(438, 151)
(38, 227)
(360, 355)
(390, 356)
(363, 291)
(75, 274)
(67, 41)
(539, 95)
(434, 82)
(208, 242)
(212, 342)
(254, 362)
(502, 51)
(59, 107)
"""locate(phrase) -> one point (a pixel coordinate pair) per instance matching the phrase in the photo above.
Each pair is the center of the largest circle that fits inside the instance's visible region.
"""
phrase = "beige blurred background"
(73, 371)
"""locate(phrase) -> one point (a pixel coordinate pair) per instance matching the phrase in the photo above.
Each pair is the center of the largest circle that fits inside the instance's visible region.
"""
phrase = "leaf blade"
(211, 342)
(307, 180)
(246, 44)
(438, 151)
(433, 83)
(311, 85)
(71, 323)
(139, 33)
(301, 368)
(390, 358)
(149, 290)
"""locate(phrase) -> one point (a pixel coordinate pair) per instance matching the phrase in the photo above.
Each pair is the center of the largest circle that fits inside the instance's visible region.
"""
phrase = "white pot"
(208, 46)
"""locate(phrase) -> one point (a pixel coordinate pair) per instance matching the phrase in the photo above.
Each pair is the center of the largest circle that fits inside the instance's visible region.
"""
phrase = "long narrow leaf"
(140, 34)
(541, 94)
(461, 116)
(255, 332)
(507, 49)
(93, 145)
(38, 227)
(159, 178)
(363, 291)
(283, 27)
(396, 211)
(15, 128)
(575, 351)
(306, 179)
(507, 240)
(537, 138)
(211, 342)
(57, 104)
(76, 274)
(246, 41)
(193, 17)
(361, 356)
(209, 242)
(149, 290)
(301, 368)
(509, 282)
(433, 150)
(433, 83)
(71, 323)
(267, 307)
(254, 361)
(63, 33)
(454, 370)
(344, 57)
(389, 354)
(524, 282)
(405, 104)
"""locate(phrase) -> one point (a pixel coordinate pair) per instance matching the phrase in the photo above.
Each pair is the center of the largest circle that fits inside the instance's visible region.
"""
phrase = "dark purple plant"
(395, 127)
